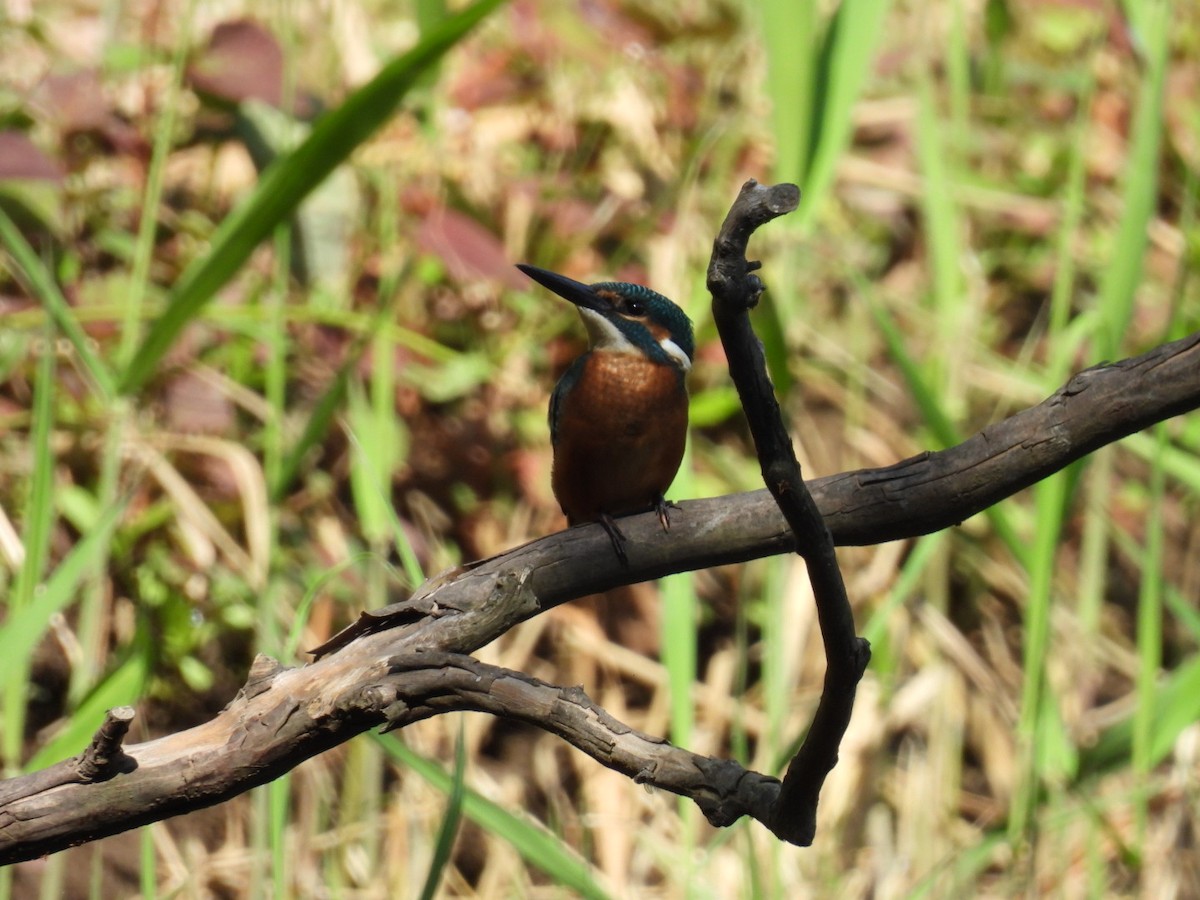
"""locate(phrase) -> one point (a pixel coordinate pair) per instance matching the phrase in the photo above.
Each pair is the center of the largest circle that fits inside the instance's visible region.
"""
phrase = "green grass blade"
(924, 551)
(279, 815)
(1097, 535)
(680, 621)
(814, 78)
(288, 181)
(958, 78)
(430, 14)
(1178, 699)
(927, 401)
(1178, 704)
(778, 662)
(315, 428)
(147, 862)
(123, 686)
(1124, 272)
(39, 508)
(533, 842)
(932, 411)
(371, 464)
(1142, 18)
(679, 639)
(450, 821)
(39, 521)
(1179, 464)
(790, 32)
(148, 222)
(847, 54)
(1149, 637)
(371, 489)
(944, 232)
(331, 402)
(1044, 747)
(40, 284)
(1074, 197)
(26, 623)
(1182, 609)
(1043, 743)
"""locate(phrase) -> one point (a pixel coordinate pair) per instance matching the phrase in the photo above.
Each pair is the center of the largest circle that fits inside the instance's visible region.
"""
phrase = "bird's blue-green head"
(626, 318)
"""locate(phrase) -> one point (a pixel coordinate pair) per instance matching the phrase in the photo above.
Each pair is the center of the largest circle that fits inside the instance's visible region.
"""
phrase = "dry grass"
(607, 139)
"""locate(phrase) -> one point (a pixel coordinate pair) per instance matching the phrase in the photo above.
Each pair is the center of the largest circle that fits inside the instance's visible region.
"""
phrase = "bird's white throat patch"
(603, 334)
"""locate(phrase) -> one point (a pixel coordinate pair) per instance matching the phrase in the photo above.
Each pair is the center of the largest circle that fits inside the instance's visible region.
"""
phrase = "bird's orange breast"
(620, 436)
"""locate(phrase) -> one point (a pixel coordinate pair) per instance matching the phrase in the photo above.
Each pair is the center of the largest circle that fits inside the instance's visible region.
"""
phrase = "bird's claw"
(661, 506)
(616, 536)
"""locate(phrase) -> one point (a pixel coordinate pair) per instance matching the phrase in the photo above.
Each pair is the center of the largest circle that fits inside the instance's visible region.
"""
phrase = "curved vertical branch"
(735, 290)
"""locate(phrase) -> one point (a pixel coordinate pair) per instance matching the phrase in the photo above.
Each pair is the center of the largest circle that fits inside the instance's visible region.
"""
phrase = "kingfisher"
(619, 414)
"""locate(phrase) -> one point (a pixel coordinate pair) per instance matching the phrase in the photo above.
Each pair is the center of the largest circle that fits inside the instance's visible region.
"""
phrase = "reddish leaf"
(469, 250)
(197, 406)
(242, 61)
(75, 101)
(20, 158)
(486, 79)
(76, 105)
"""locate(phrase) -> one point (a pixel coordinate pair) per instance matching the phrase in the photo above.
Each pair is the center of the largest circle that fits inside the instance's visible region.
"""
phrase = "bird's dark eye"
(635, 307)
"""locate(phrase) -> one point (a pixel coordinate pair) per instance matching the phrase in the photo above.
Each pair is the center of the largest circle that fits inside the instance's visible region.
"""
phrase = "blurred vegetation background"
(265, 362)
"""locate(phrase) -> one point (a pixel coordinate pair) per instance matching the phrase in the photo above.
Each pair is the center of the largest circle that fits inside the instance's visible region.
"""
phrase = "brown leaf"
(486, 79)
(196, 406)
(20, 158)
(468, 249)
(75, 103)
(242, 61)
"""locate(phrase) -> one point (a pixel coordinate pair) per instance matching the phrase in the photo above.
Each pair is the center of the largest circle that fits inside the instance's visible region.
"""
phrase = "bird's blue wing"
(565, 384)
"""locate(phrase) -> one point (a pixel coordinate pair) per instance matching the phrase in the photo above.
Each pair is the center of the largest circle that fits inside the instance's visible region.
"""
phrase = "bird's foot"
(616, 535)
(661, 506)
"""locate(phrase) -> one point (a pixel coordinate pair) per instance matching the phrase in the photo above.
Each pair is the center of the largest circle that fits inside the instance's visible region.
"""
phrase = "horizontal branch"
(284, 716)
(919, 495)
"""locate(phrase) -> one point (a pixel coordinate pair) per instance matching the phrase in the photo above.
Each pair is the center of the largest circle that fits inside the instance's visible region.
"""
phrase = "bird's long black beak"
(568, 288)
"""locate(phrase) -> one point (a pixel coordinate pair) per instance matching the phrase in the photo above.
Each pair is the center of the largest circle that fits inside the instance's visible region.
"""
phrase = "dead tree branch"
(101, 759)
(411, 660)
(735, 290)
